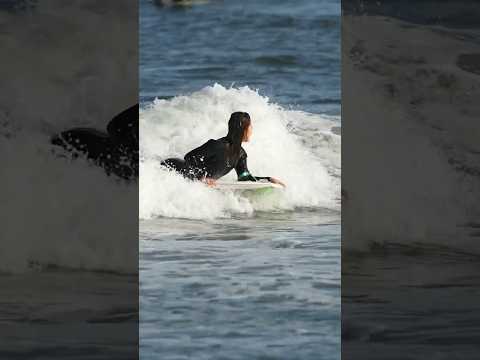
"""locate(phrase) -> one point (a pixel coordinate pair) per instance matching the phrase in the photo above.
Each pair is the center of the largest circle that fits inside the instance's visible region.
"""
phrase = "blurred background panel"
(69, 248)
(410, 179)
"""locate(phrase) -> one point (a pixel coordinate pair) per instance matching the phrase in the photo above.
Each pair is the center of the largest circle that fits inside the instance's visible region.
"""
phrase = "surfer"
(115, 151)
(216, 158)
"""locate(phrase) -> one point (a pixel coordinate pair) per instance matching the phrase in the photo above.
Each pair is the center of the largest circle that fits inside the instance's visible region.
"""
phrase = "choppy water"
(290, 50)
(68, 314)
(224, 275)
(242, 288)
(405, 302)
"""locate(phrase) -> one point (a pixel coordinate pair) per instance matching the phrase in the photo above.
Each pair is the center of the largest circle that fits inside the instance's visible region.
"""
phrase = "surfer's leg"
(98, 146)
(83, 140)
(175, 164)
(181, 167)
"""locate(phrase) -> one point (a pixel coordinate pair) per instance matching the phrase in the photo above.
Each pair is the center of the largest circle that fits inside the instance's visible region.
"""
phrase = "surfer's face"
(248, 133)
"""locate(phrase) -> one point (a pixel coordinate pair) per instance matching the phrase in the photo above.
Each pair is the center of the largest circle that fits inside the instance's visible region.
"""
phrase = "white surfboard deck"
(246, 185)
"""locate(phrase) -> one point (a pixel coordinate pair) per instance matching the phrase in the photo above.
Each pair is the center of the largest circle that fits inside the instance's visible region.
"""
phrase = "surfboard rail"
(245, 185)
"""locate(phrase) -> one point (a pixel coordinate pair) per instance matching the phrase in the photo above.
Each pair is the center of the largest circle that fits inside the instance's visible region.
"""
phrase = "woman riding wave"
(216, 158)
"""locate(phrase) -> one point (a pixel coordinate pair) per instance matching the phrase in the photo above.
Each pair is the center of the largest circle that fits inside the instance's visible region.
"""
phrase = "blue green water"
(261, 286)
(289, 50)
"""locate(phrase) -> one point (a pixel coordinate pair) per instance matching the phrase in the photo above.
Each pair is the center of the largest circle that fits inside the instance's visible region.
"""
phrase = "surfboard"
(246, 186)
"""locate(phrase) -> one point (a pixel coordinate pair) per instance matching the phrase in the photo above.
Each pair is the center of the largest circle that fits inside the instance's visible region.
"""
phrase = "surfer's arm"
(246, 176)
(243, 173)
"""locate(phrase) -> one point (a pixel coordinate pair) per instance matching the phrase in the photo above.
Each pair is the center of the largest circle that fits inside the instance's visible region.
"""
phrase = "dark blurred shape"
(456, 14)
(469, 62)
(17, 5)
(115, 151)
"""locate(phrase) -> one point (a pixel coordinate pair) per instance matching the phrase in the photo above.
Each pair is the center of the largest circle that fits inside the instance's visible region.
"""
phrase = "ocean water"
(410, 302)
(225, 275)
(288, 50)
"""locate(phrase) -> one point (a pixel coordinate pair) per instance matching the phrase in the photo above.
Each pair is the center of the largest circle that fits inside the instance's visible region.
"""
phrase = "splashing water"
(297, 147)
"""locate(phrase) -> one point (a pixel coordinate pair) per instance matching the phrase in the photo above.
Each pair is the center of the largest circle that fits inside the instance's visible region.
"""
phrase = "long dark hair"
(237, 127)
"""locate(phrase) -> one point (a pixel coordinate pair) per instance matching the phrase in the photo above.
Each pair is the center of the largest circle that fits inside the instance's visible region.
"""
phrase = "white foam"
(60, 212)
(297, 147)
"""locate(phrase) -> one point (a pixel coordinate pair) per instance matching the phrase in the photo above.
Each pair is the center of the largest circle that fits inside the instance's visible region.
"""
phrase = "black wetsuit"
(116, 150)
(213, 160)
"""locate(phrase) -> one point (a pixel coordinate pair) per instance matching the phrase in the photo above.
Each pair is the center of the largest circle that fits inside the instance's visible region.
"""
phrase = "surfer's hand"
(210, 182)
(276, 181)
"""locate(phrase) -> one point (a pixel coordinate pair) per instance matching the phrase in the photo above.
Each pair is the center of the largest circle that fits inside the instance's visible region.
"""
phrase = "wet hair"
(237, 128)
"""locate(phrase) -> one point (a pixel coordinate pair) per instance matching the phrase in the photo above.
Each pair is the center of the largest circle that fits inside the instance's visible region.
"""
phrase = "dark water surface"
(241, 288)
(289, 50)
